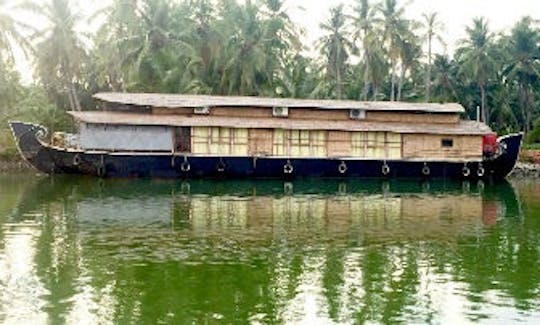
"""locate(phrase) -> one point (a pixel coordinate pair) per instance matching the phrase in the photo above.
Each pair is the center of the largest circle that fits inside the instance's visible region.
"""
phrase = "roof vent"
(357, 114)
(205, 110)
(280, 111)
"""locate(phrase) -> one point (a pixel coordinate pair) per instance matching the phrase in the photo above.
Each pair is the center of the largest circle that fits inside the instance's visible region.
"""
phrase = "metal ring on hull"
(480, 171)
(101, 170)
(342, 168)
(76, 160)
(466, 171)
(425, 170)
(385, 169)
(221, 166)
(288, 168)
(185, 166)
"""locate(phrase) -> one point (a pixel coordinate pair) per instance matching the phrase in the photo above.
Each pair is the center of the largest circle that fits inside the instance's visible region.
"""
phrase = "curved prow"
(510, 146)
(27, 137)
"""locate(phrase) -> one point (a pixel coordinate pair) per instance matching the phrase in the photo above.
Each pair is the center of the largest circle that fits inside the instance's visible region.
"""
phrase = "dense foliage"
(252, 47)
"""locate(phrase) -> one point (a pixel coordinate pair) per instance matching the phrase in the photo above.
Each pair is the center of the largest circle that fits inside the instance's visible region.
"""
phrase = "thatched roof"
(175, 101)
(463, 127)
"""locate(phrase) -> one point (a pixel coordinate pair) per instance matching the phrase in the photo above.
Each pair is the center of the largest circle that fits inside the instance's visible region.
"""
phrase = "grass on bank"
(32, 106)
(8, 150)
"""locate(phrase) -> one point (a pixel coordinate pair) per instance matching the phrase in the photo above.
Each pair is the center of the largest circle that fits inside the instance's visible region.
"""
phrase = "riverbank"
(13, 165)
(525, 170)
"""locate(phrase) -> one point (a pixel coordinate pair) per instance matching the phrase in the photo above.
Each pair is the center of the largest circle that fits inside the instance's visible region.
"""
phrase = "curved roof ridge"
(186, 100)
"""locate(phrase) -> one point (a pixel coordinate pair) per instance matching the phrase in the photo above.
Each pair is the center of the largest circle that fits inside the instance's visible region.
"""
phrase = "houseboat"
(198, 136)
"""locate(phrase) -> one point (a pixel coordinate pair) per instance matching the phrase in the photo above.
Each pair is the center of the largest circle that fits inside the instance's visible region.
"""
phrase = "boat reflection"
(150, 251)
(307, 210)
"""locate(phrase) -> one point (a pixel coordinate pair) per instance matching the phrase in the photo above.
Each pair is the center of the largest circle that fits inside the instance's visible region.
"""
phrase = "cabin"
(293, 128)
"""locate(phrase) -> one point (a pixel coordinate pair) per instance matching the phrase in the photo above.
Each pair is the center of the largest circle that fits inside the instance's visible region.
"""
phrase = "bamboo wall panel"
(378, 145)
(448, 118)
(430, 146)
(317, 114)
(240, 142)
(279, 147)
(339, 144)
(220, 141)
(299, 143)
(200, 140)
(260, 142)
(253, 112)
(394, 144)
(169, 111)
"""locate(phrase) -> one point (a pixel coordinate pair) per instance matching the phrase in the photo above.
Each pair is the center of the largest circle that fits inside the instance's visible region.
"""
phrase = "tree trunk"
(75, 97)
(428, 72)
(71, 100)
(392, 91)
(338, 81)
(366, 74)
(485, 113)
(526, 107)
(339, 90)
(400, 83)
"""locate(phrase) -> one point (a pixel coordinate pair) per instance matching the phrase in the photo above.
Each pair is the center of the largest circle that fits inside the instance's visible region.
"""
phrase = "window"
(376, 145)
(182, 139)
(299, 143)
(220, 141)
(447, 143)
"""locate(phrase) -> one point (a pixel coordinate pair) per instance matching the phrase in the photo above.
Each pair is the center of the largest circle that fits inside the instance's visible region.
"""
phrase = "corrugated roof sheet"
(98, 117)
(176, 100)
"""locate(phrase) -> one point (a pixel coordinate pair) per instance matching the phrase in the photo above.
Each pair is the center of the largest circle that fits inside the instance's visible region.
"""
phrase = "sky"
(455, 14)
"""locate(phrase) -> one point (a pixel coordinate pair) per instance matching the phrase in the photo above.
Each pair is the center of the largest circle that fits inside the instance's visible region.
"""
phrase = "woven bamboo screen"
(430, 146)
(299, 143)
(260, 141)
(220, 141)
(376, 145)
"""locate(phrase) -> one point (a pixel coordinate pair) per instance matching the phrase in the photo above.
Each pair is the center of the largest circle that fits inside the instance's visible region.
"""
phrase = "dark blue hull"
(53, 160)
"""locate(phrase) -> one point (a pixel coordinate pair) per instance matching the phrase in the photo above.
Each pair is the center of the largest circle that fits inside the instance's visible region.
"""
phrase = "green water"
(79, 251)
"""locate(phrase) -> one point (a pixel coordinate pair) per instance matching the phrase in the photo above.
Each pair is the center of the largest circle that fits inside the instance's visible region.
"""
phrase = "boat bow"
(509, 147)
(33, 150)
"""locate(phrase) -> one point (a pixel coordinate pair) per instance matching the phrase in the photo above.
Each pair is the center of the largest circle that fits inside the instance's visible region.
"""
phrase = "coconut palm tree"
(394, 27)
(60, 50)
(12, 34)
(244, 65)
(120, 20)
(364, 31)
(335, 46)
(299, 78)
(523, 65)
(443, 82)
(477, 60)
(433, 28)
(409, 54)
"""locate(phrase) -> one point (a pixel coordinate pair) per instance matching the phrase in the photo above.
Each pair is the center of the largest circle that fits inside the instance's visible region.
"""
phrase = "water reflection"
(122, 251)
